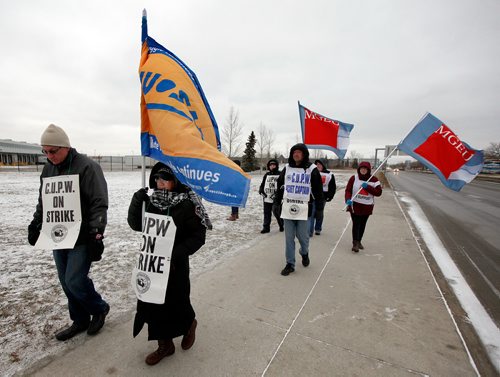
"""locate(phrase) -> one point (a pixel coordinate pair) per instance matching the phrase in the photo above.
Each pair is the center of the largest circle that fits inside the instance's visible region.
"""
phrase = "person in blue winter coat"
(329, 188)
(267, 190)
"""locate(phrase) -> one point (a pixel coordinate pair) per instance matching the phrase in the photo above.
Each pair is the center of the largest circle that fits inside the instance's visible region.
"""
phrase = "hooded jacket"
(175, 316)
(332, 185)
(275, 171)
(359, 208)
(316, 183)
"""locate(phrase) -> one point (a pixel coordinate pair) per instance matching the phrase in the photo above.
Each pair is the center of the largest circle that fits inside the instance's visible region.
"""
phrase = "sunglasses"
(50, 151)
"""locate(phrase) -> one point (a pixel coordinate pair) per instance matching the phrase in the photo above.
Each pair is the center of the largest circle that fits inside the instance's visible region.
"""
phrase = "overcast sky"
(380, 65)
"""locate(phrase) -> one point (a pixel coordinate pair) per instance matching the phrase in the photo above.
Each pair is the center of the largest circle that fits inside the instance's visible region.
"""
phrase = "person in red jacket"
(361, 205)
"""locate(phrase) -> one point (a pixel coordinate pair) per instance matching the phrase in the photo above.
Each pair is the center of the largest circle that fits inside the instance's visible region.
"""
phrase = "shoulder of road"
(378, 312)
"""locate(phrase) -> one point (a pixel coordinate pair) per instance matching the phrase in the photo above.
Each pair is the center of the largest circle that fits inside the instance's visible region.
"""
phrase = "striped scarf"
(164, 200)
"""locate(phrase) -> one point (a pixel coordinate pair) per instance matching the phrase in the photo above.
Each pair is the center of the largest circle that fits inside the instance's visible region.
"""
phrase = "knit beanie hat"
(55, 136)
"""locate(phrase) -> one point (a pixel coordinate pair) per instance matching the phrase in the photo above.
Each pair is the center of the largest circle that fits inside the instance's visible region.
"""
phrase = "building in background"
(20, 153)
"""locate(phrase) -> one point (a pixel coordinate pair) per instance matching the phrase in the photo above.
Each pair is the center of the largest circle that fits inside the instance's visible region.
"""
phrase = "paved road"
(468, 224)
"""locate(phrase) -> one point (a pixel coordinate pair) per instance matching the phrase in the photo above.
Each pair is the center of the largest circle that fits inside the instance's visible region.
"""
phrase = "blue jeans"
(295, 228)
(316, 219)
(73, 266)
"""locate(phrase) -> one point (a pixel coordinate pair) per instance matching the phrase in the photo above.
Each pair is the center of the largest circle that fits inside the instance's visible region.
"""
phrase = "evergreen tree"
(249, 162)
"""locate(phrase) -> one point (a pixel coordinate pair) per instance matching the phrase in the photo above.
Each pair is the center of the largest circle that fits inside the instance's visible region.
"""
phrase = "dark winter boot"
(165, 348)
(189, 338)
(361, 247)
(71, 331)
(265, 229)
(355, 246)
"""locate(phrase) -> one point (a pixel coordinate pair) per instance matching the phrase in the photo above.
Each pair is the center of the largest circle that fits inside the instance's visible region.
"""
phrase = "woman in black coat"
(176, 316)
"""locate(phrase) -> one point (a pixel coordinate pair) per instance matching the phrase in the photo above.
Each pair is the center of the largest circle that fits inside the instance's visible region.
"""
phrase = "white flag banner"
(152, 268)
(62, 214)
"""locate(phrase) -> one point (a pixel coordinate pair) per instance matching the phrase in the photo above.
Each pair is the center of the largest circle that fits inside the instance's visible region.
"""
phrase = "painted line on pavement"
(421, 223)
(307, 298)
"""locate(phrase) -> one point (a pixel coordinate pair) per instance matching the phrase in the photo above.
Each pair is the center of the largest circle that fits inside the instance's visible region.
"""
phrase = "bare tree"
(355, 155)
(261, 142)
(493, 150)
(270, 142)
(315, 154)
(231, 134)
(265, 142)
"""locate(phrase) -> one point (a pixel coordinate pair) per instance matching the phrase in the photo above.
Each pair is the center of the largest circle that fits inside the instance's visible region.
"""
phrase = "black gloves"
(95, 246)
(329, 199)
(140, 196)
(33, 232)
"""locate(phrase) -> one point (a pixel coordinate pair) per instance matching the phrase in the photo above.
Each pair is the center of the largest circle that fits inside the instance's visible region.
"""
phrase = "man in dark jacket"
(299, 184)
(86, 307)
(329, 188)
(267, 190)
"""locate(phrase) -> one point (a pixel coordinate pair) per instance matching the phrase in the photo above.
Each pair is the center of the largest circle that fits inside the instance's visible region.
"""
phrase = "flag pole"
(144, 36)
(143, 171)
(375, 172)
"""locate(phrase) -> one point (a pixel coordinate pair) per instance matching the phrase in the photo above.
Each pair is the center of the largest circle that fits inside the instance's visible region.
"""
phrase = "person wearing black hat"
(176, 316)
(299, 184)
(87, 309)
(267, 190)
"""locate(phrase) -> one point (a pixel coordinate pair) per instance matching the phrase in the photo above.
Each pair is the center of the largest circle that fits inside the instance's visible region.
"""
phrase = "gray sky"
(378, 64)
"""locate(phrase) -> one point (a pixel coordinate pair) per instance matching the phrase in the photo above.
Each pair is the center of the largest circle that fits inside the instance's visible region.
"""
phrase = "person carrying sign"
(173, 228)
(299, 184)
(267, 190)
(70, 219)
(329, 188)
(361, 205)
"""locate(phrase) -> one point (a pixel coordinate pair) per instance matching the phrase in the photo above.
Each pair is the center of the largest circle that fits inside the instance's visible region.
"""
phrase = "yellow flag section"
(179, 129)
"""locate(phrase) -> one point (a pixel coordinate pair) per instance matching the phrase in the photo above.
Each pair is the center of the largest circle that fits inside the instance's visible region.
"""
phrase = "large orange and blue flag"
(320, 132)
(436, 146)
(179, 129)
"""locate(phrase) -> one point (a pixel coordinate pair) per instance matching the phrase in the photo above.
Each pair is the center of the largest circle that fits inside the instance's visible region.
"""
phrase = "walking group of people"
(296, 196)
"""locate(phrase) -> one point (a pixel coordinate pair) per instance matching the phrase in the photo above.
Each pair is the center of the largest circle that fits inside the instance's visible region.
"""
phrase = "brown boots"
(165, 348)
(188, 339)
(233, 217)
(356, 246)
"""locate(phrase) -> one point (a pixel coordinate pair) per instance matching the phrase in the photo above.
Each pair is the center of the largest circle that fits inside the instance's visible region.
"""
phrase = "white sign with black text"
(152, 268)
(62, 215)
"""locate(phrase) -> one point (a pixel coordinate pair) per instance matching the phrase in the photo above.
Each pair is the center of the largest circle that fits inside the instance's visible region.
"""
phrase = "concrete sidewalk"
(376, 313)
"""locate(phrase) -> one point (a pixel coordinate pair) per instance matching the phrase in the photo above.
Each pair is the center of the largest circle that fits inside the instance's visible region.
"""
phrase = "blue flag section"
(179, 129)
(437, 147)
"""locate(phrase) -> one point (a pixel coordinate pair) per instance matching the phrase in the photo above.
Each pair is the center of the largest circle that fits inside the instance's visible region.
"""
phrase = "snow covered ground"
(32, 304)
